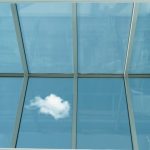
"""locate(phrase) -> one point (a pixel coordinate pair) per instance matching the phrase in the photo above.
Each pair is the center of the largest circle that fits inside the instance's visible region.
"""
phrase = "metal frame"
(75, 60)
(126, 83)
(42, 75)
(19, 36)
(55, 75)
(131, 38)
(26, 75)
(76, 1)
(19, 113)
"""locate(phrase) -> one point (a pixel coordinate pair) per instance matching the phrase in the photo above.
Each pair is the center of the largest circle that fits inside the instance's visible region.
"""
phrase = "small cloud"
(51, 105)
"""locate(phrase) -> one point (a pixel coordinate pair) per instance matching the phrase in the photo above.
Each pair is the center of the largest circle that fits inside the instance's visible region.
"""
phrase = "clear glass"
(10, 89)
(140, 58)
(44, 122)
(103, 37)
(102, 114)
(9, 53)
(47, 34)
(140, 95)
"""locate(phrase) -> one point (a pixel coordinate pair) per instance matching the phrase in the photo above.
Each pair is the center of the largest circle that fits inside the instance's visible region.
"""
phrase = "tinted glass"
(140, 60)
(102, 114)
(140, 92)
(47, 33)
(10, 89)
(9, 52)
(103, 37)
(47, 116)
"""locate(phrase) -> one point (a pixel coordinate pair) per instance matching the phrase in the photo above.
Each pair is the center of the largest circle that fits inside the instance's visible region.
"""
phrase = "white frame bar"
(126, 83)
(76, 1)
(131, 37)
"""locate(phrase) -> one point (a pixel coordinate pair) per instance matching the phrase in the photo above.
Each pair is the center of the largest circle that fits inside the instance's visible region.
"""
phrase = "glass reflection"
(47, 33)
(9, 52)
(102, 114)
(103, 37)
(47, 115)
(140, 60)
(140, 92)
(10, 89)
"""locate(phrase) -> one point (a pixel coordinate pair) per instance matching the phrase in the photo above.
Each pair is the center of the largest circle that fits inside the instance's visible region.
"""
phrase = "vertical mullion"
(75, 61)
(19, 112)
(126, 82)
(131, 37)
(20, 42)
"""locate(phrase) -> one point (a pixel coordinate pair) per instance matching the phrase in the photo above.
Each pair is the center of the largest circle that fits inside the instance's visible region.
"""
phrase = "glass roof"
(48, 37)
(72, 73)
(102, 38)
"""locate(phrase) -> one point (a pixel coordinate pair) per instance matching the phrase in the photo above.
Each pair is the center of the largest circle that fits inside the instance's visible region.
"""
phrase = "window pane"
(9, 52)
(102, 114)
(47, 29)
(103, 37)
(47, 118)
(10, 89)
(140, 92)
(140, 60)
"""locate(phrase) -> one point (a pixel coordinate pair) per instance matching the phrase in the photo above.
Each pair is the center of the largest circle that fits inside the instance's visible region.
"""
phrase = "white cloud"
(51, 105)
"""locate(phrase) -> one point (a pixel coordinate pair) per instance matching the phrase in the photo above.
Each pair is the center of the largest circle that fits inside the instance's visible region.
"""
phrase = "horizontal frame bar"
(61, 75)
(100, 75)
(50, 75)
(11, 74)
(75, 1)
(138, 75)
(25, 149)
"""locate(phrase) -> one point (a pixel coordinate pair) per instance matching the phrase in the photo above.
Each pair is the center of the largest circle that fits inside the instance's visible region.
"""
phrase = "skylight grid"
(77, 64)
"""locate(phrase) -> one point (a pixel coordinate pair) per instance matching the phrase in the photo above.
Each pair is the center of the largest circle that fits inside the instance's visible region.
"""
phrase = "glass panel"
(10, 89)
(47, 32)
(140, 60)
(140, 92)
(47, 116)
(103, 37)
(9, 52)
(102, 114)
